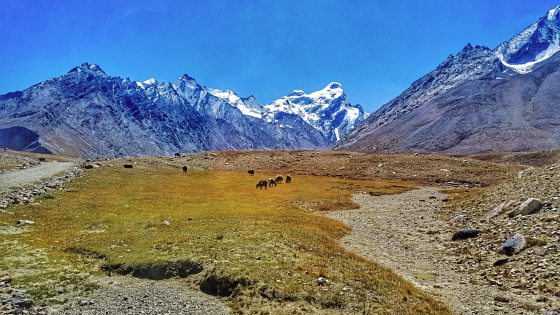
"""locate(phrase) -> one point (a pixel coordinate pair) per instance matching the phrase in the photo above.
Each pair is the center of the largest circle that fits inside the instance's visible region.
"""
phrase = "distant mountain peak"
(88, 67)
(186, 77)
(146, 83)
(553, 13)
(327, 109)
(334, 86)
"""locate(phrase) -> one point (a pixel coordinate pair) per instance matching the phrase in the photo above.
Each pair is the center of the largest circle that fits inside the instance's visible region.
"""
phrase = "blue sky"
(267, 48)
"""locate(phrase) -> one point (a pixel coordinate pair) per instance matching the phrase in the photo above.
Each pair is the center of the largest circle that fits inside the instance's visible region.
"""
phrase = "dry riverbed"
(403, 232)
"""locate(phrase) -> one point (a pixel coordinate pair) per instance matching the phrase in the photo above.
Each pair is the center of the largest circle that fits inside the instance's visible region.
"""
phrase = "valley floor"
(330, 242)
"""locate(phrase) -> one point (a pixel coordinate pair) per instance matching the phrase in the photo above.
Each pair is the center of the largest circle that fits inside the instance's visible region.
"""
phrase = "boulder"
(465, 234)
(529, 206)
(497, 210)
(513, 245)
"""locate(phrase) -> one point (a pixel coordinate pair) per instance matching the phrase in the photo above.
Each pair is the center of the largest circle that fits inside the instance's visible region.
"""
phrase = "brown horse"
(279, 179)
(251, 172)
(288, 179)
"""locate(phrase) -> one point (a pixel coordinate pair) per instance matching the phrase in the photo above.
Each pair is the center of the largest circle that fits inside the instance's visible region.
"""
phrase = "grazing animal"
(271, 182)
(288, 179)
(279, 179)
(251, 172)
(127, 165)
(262, 183)
(178, 154)
(184, 169)
(42, 160)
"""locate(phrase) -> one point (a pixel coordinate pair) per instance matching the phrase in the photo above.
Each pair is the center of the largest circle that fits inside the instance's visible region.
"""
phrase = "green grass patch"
(261, 250)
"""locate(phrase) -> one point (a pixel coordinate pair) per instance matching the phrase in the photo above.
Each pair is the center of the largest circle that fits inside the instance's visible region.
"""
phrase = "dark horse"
(271, 182)
(262, 183)
(288, 179)
(184, 169)
(251, 172)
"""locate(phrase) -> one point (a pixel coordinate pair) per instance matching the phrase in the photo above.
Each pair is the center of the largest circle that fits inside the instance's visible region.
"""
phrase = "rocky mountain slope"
(86, 112)
(481, 99)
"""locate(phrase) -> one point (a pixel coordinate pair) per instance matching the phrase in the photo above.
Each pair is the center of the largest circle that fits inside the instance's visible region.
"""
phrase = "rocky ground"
(518, 248)
(127, 295)
(483, 251)
(17, 301)
(402, 233)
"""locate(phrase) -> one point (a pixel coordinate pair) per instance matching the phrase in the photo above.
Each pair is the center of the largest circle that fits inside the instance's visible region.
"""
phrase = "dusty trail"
(30, 175)
(402, 233)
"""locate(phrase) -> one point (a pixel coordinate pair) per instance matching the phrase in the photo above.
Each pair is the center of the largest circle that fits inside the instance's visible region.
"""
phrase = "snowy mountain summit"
(328, 110)
(535, 44)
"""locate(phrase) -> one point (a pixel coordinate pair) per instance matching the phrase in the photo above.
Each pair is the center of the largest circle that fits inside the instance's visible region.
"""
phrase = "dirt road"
(402, 233)
(30, 175)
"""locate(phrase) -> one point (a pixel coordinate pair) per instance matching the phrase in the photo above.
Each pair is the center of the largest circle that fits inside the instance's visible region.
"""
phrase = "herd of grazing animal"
(263, 183)
(271, 182)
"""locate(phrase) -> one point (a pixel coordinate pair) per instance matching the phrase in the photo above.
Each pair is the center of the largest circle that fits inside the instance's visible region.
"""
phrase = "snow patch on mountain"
(251, 109)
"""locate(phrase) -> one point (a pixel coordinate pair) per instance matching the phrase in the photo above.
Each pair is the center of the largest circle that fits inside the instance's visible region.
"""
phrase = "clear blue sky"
(375, 48)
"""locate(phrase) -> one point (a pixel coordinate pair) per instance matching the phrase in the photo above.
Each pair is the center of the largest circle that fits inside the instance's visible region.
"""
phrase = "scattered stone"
(465, 234)
(25, 222)
(458, 217)
(501, 299)
(500, 262)
(496, 211)
(529, 206)
(432, 231)
(322, 281)
(513, 245)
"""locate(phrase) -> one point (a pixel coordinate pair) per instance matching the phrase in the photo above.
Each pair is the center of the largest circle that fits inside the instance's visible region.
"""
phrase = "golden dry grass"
(268, 246)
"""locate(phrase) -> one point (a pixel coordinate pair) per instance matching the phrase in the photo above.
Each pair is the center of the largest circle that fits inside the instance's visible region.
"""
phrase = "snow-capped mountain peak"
(553, 14)
(146, 83)
(328, 110)
(534, 45)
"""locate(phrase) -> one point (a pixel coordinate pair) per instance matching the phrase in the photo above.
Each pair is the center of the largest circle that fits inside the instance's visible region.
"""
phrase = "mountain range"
(88, 113)
(478, 100)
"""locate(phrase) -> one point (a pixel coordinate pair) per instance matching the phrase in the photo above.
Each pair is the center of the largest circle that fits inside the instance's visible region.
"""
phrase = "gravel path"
(30, 175)
(402, 233)
(127, 295)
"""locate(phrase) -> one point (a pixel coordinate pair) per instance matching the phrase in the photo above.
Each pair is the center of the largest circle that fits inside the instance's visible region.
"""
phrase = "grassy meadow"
(262, 251)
